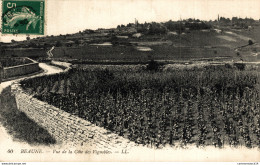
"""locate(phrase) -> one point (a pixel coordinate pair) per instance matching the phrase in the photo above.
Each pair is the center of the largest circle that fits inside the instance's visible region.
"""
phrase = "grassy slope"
(194, 45)
(254, 33)
(246, 52)
(184, 47)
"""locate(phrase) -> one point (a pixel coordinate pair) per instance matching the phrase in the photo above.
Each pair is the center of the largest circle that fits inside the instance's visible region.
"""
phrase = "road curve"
(6, 141)
(48, 70)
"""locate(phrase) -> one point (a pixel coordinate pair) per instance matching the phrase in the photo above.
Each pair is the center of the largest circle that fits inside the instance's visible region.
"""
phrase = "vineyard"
(212, 106)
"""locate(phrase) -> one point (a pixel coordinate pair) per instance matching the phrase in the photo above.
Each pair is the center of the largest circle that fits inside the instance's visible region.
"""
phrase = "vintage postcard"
(132, 80)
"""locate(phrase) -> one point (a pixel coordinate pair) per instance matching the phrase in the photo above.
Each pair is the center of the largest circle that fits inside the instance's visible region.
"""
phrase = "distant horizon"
(72, 16)
(32, 36)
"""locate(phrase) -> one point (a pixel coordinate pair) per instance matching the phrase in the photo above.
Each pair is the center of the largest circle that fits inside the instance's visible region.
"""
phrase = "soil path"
(48, 70)
(6, 141)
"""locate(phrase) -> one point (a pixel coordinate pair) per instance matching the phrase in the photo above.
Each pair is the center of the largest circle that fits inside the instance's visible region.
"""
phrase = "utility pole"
(218, 20)
(136, 23)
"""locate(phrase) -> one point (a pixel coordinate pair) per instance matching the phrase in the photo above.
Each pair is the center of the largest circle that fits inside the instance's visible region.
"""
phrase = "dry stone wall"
(21, 69)
(67, 128)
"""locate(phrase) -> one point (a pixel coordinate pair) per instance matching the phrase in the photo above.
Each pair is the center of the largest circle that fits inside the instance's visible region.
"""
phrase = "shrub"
(250, 42)
(240, 66)
(58, 44)
(153, 66)
(228, 66)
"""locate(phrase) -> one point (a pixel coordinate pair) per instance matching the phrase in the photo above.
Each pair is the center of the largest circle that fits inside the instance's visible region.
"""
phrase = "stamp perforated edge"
(25, 35)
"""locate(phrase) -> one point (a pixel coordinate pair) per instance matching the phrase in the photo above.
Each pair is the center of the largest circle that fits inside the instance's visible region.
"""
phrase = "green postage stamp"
(23, 17)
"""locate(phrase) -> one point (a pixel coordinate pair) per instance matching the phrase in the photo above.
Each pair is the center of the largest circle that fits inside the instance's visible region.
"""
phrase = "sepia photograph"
(130, 81)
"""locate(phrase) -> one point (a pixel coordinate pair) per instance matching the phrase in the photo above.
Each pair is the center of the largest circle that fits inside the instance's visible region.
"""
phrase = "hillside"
(191, 45)
(134, 44)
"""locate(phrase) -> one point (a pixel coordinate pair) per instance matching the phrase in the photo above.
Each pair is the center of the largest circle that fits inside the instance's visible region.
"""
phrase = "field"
(8, 62)
(193, 45)
(209, 106)
(131, 54)
(254, 33)
(24, 52)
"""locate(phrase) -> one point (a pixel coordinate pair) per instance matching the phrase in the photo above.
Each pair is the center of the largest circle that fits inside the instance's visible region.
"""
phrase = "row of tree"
(162, 28)
(235, 21)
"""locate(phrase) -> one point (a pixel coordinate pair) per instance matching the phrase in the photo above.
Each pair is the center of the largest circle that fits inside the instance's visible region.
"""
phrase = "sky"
(70, 16)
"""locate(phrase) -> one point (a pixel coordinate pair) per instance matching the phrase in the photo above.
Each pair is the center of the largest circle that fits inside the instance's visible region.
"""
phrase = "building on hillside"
(137, 35)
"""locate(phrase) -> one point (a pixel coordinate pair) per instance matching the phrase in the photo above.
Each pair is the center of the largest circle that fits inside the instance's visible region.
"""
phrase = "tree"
(250, 42)
(2, 49)
(77, 42)
(1, 72)
(153, 66)
(157, 28)
(58, 44)
(114, 40)
(32, 45)
(45, 46)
